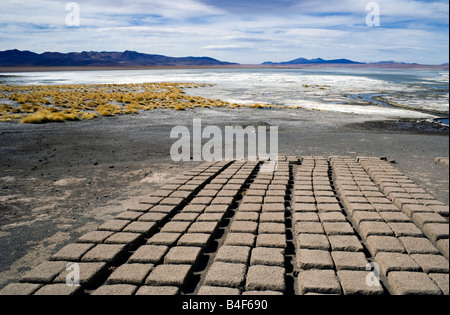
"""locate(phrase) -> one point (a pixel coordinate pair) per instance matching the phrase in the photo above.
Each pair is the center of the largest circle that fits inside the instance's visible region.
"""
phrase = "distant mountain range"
(17, 58)
(303, 61)
(318, 61)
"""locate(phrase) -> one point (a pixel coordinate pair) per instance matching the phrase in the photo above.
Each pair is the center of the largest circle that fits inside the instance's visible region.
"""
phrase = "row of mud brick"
(296, 226)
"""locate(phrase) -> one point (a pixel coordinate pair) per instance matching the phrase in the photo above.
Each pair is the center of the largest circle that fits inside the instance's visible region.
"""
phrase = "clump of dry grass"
(43, 104)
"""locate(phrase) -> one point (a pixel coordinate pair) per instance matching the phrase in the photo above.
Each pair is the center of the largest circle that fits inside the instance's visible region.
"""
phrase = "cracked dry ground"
(311, 225)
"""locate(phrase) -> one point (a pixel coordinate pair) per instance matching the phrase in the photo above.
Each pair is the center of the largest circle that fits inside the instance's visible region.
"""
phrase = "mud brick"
(276, 193)
(250, 207)
(194, 209)
(318, 281)
(395, 217)
(436, 231)
(423, 218)
(72, 252)
(349, 260)
(130, 274)
(419, 245)
(154, 217)
(244, 227)
(195, 239)
(406, 203)
(252, 200)
(405, 229)
(367, 229)
(172, 201)
(116, 290)
(412, 283)
(332, 217)
(207, 193)
(430, 202)
(190, 188)
(148, 254)
(226, 275)
(247, 216)
(218, 291)
(305, 207)
(186, 217)
(271, 228)
(326, 200)
(59, 289)
(329, 207)
(204, 227)
(139, 207)
(211, 217)
(258, 187)
(306, 217)
(255, 193)
(91, 274)
(314, 259)
(217, 209)
(300, 200)
(240, 239)
(95, 237)
(338, 228)
(266, 278)
(215, 187)
(155, 291)
(145, 228)
(105, 253)
(16, 289)
(442, 280)
(222, 201)
(228, 193)
(114, 225)
(443, 246)
(385, 208)
(271, 240)
(324, 193)
(309, 228)
(233, 254)
(274, 207)
(354, 193)
(129, 215)
(411, 209)
(163, 209)
(201, 201)
(362, 216)
(353, 207)
(267, 256)
(270, 199)
(377, 244)
(272, 217)
(163, 193)
(183, 255)
(345, 243)
(354, 283)
(176, 227)
(129, 239)
(165, 239)
(432, 263)
(45, 272)
(180, 194)
(439, 209)
(395, 262)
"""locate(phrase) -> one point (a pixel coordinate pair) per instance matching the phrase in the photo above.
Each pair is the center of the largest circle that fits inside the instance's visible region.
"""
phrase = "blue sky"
(244, 31)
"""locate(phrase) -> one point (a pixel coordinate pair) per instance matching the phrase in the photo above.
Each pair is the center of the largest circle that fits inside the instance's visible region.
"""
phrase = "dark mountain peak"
(14, 58)
(304, 61)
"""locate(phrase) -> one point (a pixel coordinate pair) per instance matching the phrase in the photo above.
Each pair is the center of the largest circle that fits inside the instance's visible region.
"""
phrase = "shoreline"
(303, 66)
